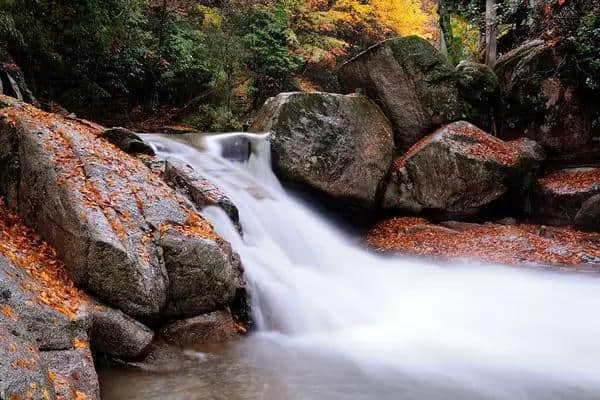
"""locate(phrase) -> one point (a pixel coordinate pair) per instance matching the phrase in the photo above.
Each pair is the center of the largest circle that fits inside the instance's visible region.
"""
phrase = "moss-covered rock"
(341, 146)
(417, 89)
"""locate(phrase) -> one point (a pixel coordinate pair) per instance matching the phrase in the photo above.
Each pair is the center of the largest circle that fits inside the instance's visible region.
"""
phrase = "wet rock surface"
(459, 169)
(199, 190)
(417, 89)
(216, 327)
(341, 146)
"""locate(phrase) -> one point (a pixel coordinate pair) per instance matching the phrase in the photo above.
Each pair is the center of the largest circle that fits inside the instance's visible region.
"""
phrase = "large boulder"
(459, 169)
(541, 102)
(417, 89)
(108, 216)
(341, 146)
(567, 197)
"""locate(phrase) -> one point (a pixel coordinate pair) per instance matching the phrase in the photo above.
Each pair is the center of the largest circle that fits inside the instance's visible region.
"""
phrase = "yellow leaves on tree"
(403, 17)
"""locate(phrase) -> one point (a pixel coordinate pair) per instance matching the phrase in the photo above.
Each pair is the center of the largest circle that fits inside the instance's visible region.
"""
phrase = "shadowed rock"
(216, 327)
(341, 146)
(567, 197)
(117, 334)
(541, 102)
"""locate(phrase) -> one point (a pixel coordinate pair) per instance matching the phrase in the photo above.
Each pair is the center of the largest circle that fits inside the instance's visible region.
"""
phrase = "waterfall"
(496, 331)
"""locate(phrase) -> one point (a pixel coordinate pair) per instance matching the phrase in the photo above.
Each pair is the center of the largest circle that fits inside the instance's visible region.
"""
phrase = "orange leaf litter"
(505, 244)
(49, 279)
(482, 146)
(571, 181)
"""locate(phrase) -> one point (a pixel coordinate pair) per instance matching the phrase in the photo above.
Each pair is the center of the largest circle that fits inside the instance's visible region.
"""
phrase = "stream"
(335, 321)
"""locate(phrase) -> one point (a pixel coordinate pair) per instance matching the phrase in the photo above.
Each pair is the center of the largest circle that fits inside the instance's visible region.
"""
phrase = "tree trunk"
(491, 33)
(446, 36)
(159, 56)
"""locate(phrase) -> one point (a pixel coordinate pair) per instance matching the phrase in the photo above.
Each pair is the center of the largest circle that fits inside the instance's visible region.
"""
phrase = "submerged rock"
(567, 197)
(459, 169)
(106, 213)
(541, 104)
(417, 89)
(213, 328)
(341, 146)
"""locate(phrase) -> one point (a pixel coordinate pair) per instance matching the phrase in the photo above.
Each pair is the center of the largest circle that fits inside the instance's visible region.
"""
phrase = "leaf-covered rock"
(459, 169)
(103, 211)
(567, 197)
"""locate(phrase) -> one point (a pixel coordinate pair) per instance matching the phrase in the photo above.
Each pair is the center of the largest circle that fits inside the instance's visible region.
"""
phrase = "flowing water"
(338, 322)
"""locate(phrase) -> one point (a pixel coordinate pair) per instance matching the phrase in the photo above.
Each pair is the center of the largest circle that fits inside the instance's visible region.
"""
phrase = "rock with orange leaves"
(567, 197)
(23, 375)
(72, 373)
(106, 213)
(459, 169)
(37, 336)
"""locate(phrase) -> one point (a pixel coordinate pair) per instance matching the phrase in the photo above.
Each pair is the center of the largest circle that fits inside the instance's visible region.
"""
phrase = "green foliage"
(212, 118)
(465, 43)
(270, 41)
(587, 49)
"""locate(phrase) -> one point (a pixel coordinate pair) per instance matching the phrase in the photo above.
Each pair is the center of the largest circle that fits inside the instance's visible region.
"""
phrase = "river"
(335, 321)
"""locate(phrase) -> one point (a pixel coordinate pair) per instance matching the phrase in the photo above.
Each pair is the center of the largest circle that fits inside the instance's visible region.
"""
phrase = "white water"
(489, 331)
